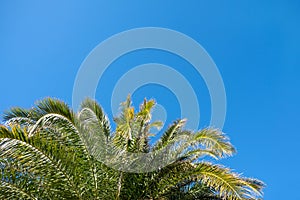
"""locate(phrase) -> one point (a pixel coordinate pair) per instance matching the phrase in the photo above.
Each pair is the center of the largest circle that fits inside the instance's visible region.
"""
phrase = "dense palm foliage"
(50, 152)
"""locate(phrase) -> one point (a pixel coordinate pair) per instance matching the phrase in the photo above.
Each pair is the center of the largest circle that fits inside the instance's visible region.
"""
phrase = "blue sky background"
(255, 45)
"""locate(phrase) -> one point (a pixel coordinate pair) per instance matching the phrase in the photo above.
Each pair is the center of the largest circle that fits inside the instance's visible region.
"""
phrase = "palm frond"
(55, 106)
(98, 111)
(37, 160)
(16, 112)
(216, 141)
(225, 183)
(169, 134)
(14, 191)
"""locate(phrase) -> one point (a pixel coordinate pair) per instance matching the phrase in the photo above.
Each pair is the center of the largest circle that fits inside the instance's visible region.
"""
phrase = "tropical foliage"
(50, 152)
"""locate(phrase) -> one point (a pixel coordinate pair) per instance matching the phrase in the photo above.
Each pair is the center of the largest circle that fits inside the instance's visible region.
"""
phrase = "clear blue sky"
(255, 45)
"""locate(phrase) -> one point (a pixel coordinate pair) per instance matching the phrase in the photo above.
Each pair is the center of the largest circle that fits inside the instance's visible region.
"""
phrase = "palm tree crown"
(51, 152)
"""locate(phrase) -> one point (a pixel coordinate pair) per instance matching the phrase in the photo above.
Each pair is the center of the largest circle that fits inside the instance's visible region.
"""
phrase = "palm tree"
(51, 152)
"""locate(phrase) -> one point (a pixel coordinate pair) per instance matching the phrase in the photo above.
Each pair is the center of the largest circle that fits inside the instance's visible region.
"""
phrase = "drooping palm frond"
(216, 141)
(34, 161)
(60, 123)
(227, 184)
(224, 183)
(99, 113)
